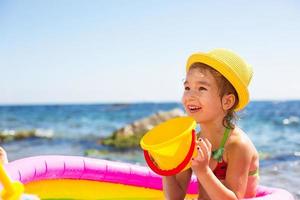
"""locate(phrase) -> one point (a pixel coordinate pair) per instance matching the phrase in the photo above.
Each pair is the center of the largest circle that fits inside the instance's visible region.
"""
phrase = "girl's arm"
(213, 186)
(175, 187)
(239, 161)
(235, 184)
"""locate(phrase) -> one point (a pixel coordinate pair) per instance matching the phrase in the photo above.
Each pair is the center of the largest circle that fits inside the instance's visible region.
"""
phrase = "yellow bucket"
(169, 147)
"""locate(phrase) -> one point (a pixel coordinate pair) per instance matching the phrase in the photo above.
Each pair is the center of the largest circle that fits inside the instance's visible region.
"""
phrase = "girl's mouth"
(193, 108)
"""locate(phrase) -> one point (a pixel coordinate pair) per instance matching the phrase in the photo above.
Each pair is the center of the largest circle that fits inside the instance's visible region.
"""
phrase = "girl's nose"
(190, 94)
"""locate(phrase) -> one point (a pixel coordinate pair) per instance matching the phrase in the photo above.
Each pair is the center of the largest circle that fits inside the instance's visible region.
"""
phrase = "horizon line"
(121, 102)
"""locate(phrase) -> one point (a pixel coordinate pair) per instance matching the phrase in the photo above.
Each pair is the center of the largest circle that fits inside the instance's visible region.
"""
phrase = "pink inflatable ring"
(72, 177)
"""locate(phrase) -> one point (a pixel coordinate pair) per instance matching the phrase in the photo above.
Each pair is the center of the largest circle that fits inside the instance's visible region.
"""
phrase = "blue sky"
(135, 51)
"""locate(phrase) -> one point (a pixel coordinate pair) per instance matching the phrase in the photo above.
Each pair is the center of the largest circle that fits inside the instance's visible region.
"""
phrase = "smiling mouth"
(193, 108)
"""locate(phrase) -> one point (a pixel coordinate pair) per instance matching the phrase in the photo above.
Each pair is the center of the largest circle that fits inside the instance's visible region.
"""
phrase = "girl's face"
(201, 98)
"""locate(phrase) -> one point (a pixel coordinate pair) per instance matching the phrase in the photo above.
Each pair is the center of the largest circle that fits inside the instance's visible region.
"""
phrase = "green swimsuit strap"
(218, 154)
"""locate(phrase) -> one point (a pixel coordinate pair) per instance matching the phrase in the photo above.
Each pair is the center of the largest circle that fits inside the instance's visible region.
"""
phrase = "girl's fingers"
(208, 144)
(204, 148)
(199, 156)
(200, 153)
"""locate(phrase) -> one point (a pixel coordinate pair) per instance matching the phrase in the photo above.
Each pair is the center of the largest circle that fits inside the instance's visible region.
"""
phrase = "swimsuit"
(220, 170)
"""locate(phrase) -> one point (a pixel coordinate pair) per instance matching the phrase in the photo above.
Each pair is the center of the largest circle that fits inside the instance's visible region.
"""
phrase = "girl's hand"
(200, 163)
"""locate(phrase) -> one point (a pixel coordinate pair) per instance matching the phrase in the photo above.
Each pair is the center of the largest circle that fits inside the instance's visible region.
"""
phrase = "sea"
(273, 126)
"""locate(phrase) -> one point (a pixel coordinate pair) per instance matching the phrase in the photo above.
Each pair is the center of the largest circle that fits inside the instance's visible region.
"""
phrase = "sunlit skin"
(202, 101)
(3, 156)
(201, 98)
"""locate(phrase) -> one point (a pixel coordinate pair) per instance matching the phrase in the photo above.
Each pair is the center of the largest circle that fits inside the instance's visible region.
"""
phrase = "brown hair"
(225, 87)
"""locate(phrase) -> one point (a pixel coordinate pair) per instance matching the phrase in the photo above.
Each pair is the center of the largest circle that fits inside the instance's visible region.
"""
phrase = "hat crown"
(235, 62)
(238, 65)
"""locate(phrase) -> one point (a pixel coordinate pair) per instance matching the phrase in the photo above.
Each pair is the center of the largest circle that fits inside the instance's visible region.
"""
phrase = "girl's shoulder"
(240, 148)
(238, 136)
(239, 141)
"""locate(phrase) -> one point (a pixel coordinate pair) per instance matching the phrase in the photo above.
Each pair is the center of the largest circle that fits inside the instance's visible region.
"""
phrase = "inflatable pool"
(70, 177)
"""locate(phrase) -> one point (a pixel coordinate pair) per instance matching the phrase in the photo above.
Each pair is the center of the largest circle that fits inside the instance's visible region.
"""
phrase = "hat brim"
(227, 72)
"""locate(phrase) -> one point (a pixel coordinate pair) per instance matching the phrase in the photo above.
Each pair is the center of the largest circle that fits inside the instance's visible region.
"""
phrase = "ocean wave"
(269, 160)
(292, 120)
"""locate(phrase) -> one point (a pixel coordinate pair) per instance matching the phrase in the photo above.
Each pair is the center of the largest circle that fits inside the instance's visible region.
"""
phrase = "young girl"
(227, 162)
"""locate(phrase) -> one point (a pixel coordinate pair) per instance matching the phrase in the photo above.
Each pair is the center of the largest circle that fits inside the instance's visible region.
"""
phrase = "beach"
(273, 126)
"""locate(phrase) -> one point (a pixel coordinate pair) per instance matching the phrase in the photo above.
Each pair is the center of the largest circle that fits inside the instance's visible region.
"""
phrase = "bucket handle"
(177, 169)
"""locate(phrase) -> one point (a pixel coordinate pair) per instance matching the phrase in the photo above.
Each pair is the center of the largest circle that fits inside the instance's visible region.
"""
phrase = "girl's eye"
(186, 88)
(202, 88)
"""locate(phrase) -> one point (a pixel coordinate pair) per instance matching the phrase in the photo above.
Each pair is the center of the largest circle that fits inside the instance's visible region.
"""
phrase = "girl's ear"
(228, 101)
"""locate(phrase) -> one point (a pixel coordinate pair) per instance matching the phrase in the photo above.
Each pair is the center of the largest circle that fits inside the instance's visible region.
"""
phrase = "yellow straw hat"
(231, 66)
